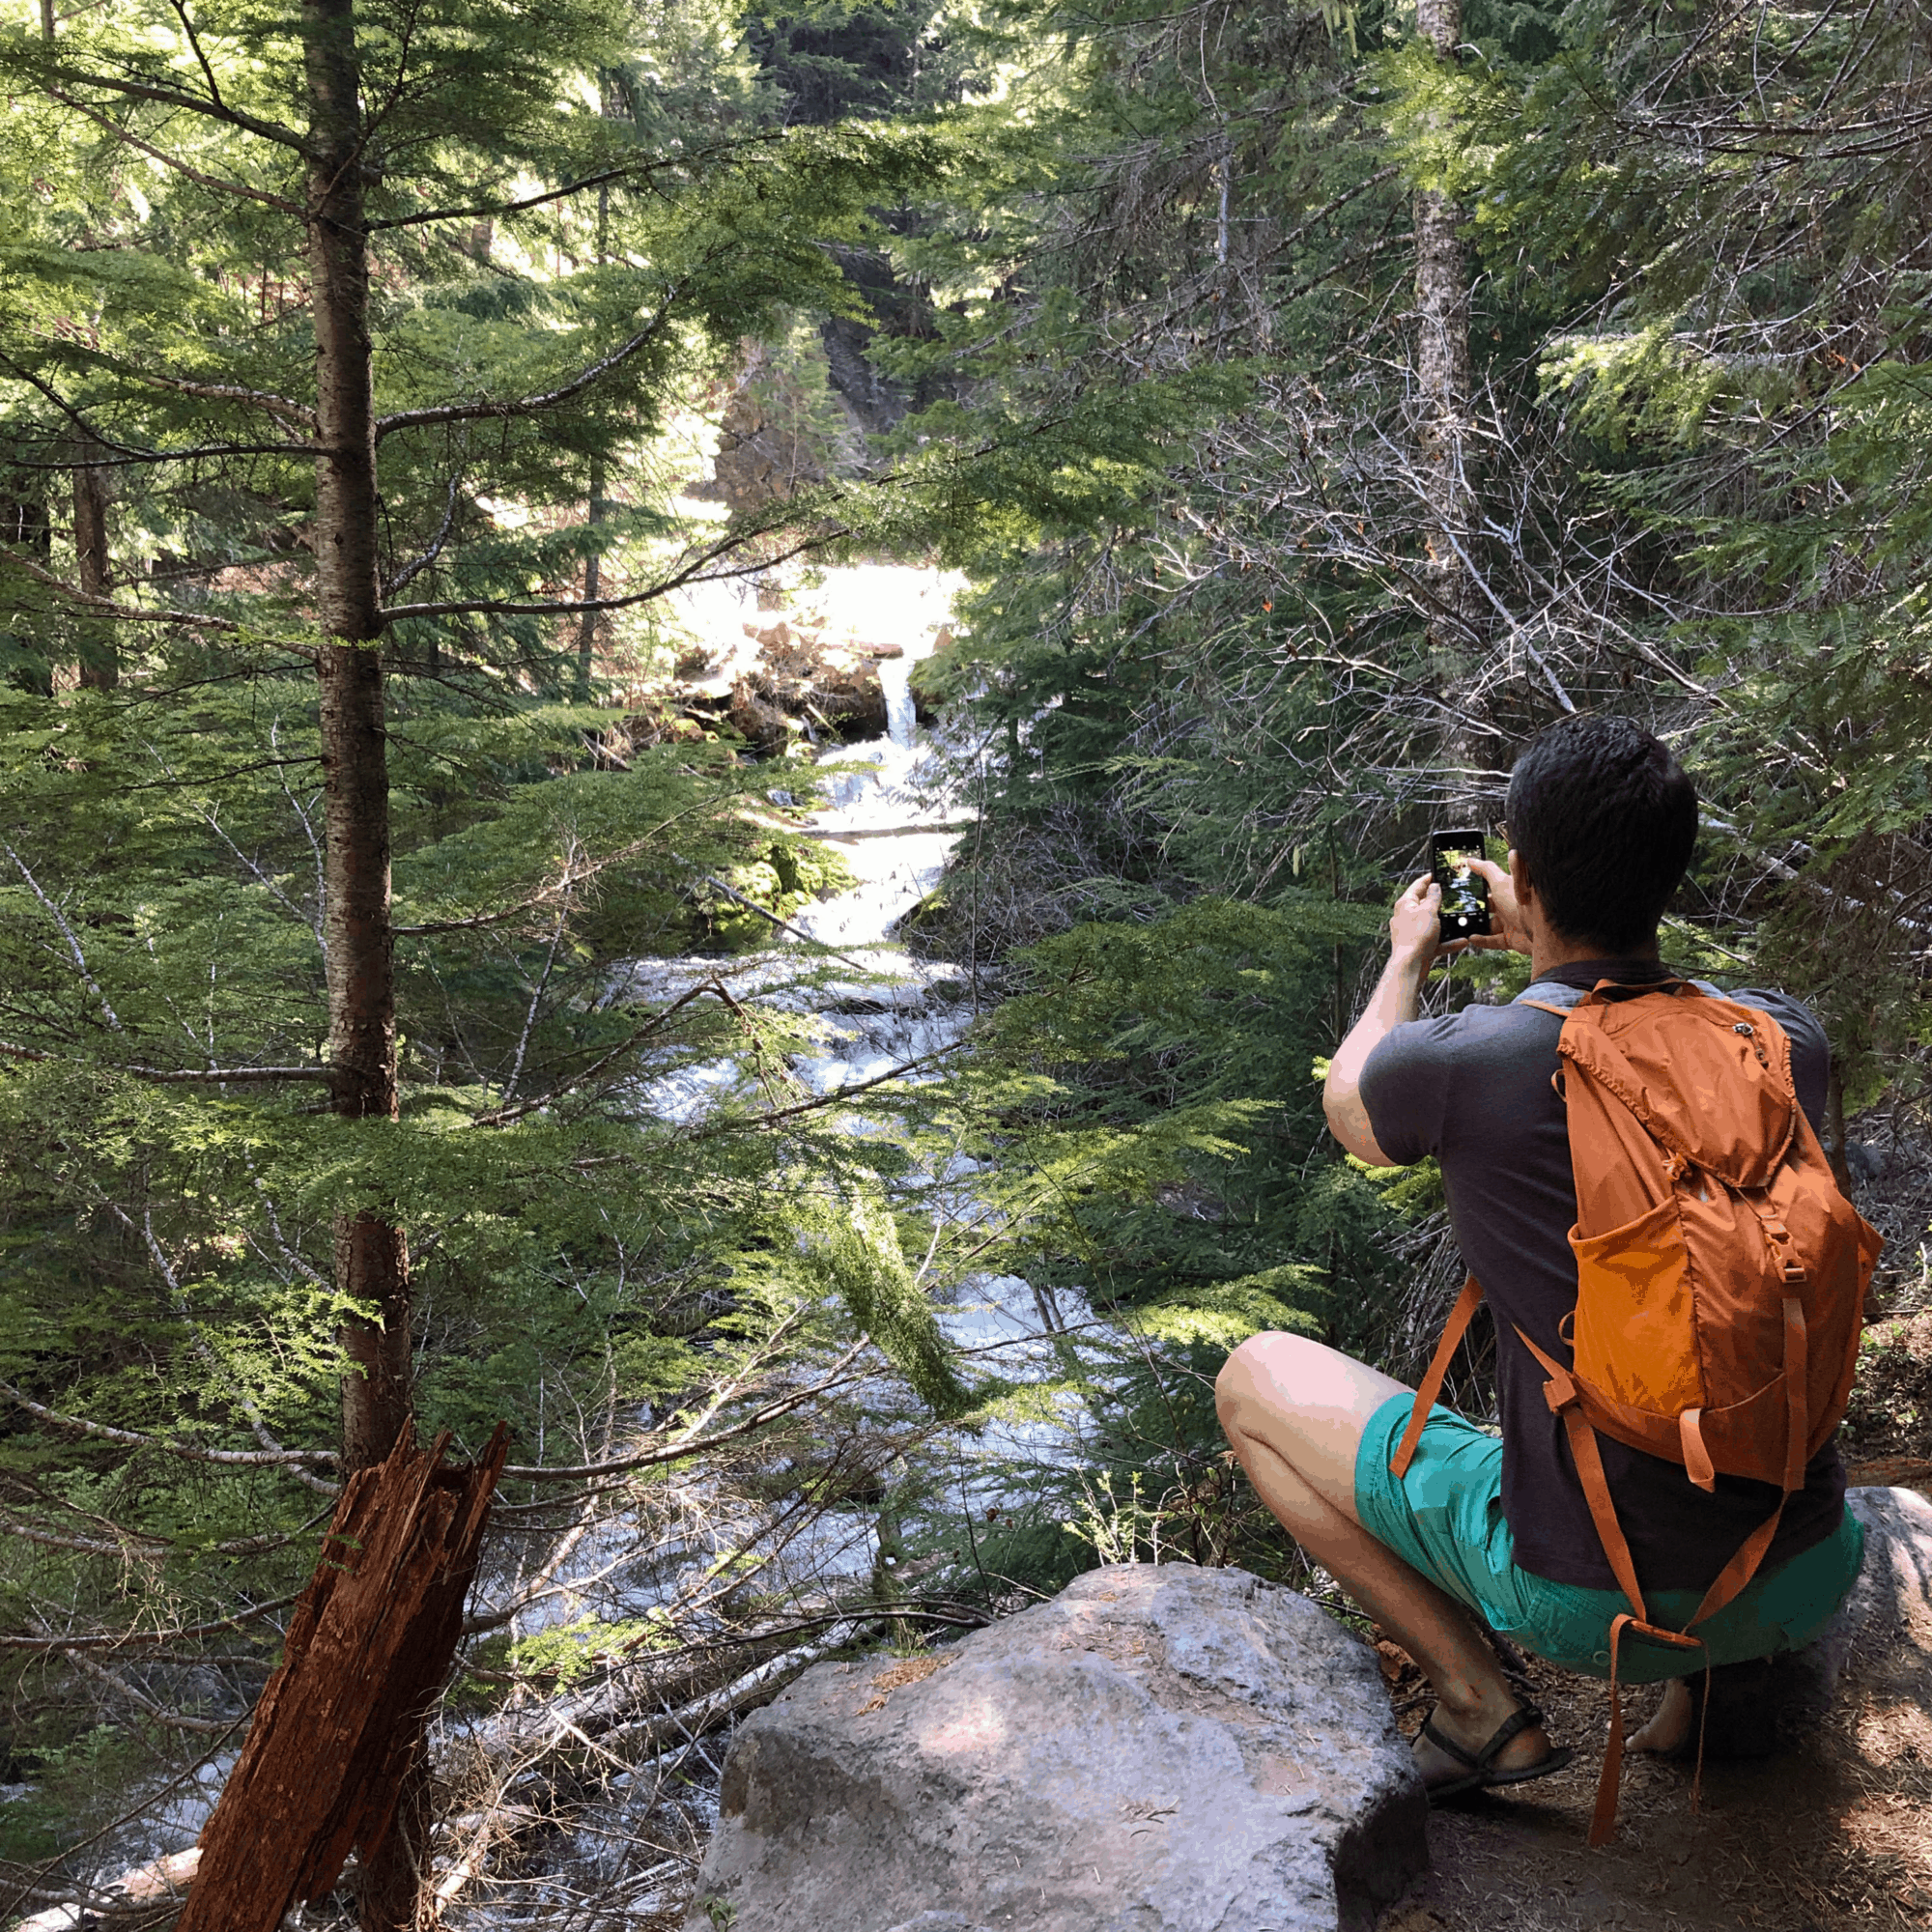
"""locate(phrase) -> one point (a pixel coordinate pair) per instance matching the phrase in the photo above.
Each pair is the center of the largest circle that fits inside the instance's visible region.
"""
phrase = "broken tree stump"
(341, 1721)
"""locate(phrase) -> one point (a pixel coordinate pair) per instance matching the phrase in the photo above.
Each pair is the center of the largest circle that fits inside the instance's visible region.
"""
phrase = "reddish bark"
(334, 1757)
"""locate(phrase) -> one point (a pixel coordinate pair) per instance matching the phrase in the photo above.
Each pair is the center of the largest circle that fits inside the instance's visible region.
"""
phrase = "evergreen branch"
(566, 880)
(412, 570)
(123, 1639)
(629, 170)
(222, 392)
(87, 1545)
(126, 452)
(247, 1459)
(216, 826)
(142, 1702)
(692, 1444)
(174, 161)
(131, 458)
(537, 992)
(194, 41)
(503, 1116)
(833, 1098)
(105, 607)
(526, 406)
(696, 574)
(173, 784)
(248, 1406)
(172, 1076)
(737, 898)
(54, 913)
(174, 96)
(143, 1542)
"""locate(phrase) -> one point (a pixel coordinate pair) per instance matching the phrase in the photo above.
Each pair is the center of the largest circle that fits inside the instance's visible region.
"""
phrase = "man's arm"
(1414, 936)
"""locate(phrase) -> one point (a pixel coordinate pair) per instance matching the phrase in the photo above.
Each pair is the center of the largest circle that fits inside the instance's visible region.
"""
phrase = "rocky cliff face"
(1157, 1749)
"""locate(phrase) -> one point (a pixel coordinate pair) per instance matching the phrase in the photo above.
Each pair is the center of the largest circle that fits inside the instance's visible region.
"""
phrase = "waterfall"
(901, 718)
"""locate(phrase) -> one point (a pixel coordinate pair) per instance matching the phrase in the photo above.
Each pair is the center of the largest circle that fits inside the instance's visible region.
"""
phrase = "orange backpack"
(1721, 1275)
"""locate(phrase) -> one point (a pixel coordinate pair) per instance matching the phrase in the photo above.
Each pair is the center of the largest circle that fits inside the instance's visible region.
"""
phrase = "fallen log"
(608, 1714)
(667, 1733)
(145, 1891)
(529, 1736)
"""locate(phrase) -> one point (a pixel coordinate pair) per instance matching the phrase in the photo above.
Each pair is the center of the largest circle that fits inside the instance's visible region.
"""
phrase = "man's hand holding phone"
(1507, 933)
(1416, 925)
(1416, 928)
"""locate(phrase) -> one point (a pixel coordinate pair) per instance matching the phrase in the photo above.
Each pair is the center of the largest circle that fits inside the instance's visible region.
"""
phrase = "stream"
(888, 814)
(870, 1007)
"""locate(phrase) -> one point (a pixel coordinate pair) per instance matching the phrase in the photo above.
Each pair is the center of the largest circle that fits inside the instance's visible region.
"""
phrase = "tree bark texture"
(371, 1252)
(99, 660)
(25, 527)
(586, 633)
(371, 1256)
(1442, 381)
(333, 1759)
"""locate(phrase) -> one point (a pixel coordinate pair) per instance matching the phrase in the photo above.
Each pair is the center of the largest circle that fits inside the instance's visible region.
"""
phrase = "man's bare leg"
(1294, 1411)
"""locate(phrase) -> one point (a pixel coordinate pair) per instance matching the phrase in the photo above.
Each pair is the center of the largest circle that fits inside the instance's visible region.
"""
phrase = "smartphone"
(1466, 892)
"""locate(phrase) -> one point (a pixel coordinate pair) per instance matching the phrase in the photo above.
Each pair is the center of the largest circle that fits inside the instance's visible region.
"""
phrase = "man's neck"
(1551, 950)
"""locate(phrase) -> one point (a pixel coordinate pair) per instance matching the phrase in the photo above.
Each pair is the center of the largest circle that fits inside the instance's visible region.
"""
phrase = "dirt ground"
(1835, 1831)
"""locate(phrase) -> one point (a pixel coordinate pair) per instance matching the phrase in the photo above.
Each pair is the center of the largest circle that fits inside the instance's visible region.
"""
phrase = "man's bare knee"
(1288, 1389)
(1264, 1376)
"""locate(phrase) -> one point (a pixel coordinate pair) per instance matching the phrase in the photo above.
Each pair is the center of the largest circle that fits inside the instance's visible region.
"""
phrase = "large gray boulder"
(1879, 1645)
(1156, 1749)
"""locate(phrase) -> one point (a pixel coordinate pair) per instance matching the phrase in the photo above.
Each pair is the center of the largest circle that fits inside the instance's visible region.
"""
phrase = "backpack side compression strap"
(1560, 1393)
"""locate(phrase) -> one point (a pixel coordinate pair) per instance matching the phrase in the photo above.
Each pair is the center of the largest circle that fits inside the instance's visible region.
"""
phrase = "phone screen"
(1466, 892)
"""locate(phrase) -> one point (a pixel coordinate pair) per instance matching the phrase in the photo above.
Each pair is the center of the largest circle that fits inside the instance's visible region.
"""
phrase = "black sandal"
(1479, 1774)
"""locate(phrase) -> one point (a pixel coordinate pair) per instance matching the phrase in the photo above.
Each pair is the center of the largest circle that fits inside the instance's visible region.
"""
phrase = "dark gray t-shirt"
(1474, 1090)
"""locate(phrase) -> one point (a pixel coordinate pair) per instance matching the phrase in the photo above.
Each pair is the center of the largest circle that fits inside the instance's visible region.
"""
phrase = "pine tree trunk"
(586, 631)
(371, 1253)
(1442, 384)
(25, 527)
(100, 659)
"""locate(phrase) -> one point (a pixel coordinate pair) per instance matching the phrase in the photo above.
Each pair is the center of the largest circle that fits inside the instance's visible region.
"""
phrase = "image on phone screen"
(1466, 892)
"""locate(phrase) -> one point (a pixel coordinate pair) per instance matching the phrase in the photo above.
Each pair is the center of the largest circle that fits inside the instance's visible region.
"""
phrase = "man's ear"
(1520, 880)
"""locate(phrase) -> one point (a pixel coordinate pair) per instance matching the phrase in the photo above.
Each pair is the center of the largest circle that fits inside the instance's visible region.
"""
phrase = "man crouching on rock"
(1482, 1530)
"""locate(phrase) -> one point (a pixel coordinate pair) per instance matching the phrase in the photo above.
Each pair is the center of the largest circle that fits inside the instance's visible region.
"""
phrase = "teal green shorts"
(1445, 1519)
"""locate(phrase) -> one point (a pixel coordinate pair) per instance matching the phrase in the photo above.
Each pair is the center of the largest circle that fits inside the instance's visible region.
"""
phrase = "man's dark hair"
(1604, 818)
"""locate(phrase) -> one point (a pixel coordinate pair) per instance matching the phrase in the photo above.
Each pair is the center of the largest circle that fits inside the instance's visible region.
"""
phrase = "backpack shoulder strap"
(1552, 996)
(1430, 1386)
